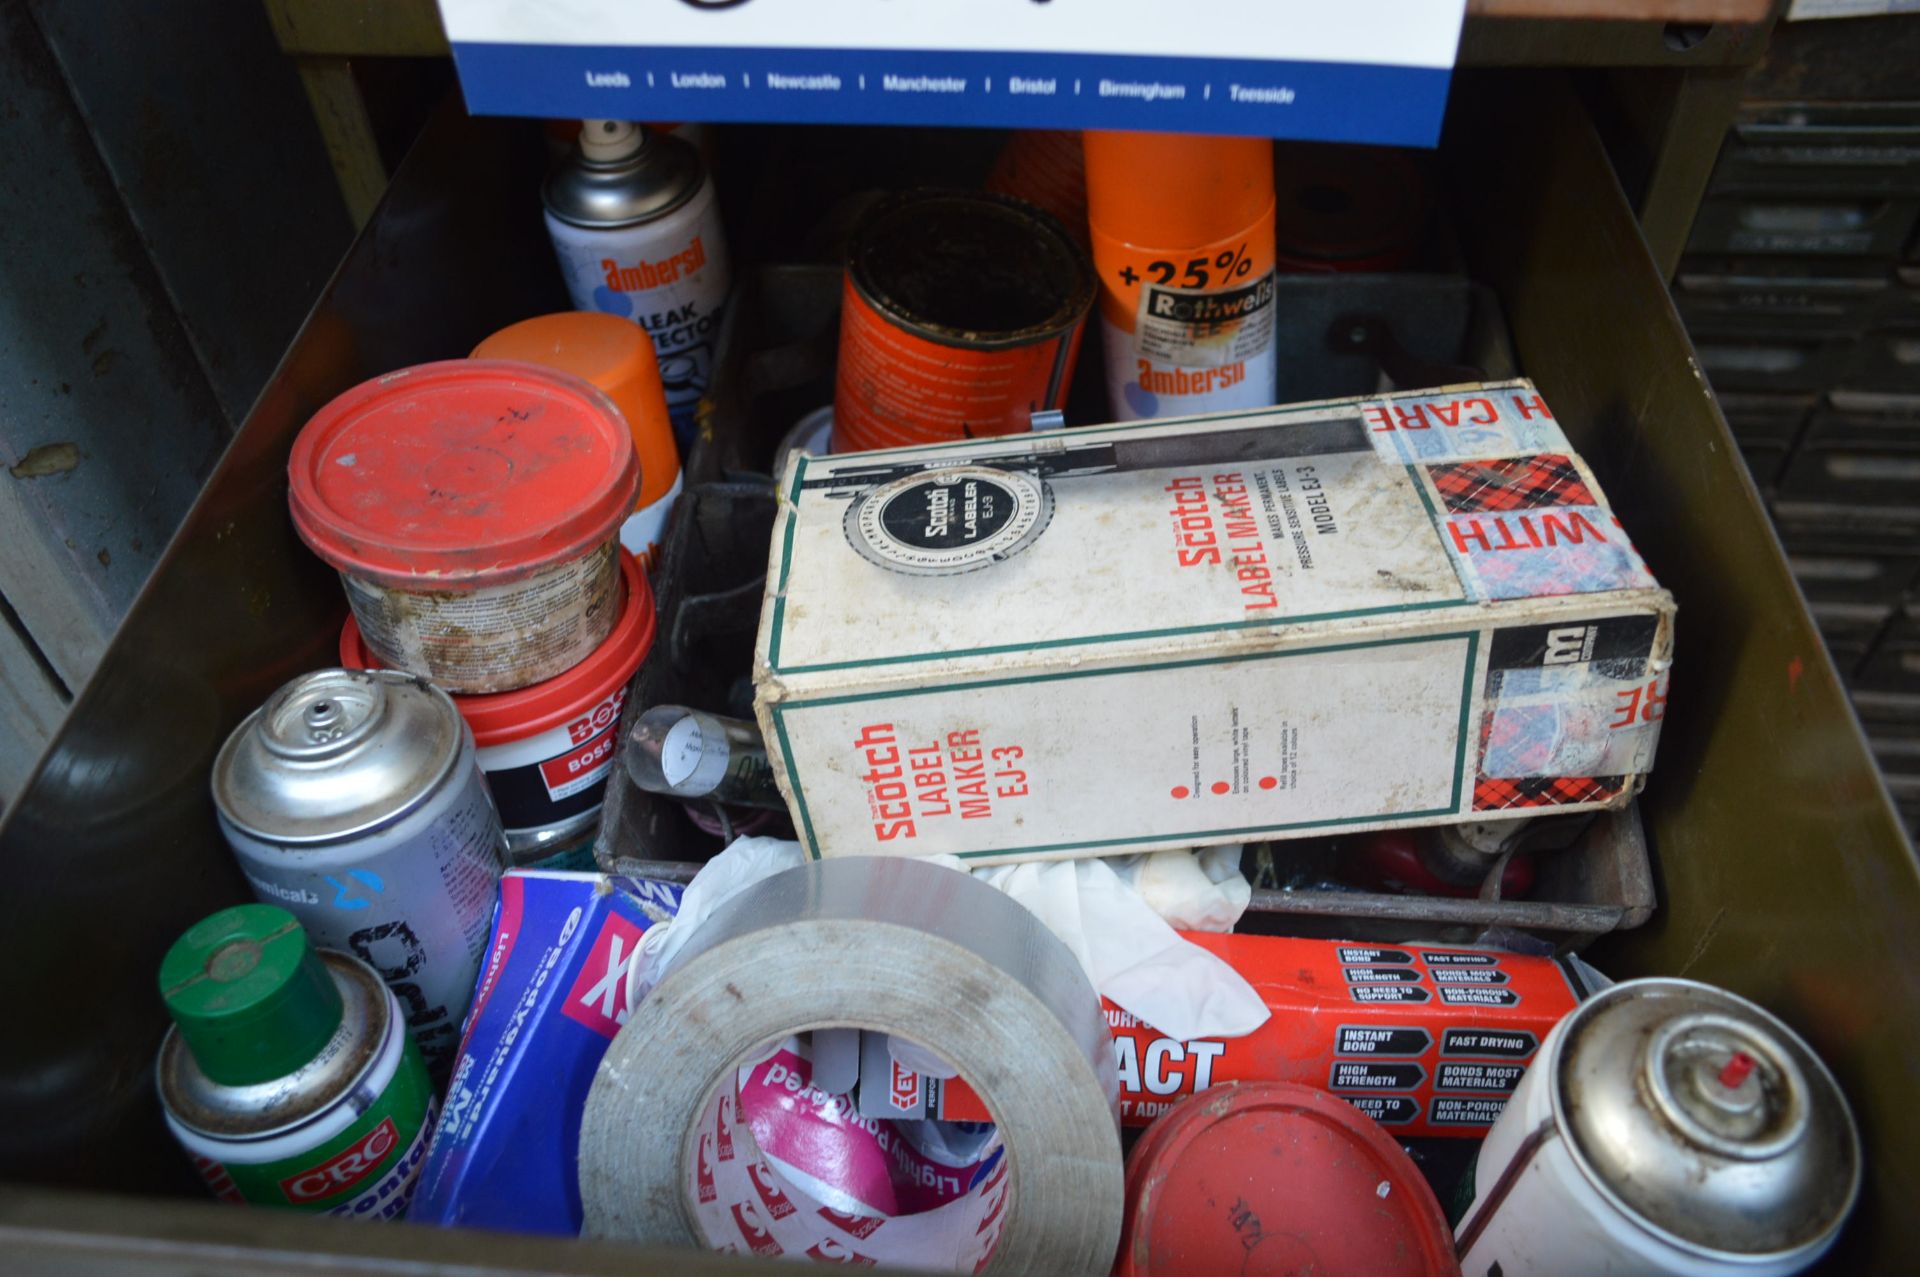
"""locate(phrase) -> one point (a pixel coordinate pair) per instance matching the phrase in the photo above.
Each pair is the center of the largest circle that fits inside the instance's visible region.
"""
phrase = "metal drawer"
(1888, 363)
(1811, 295)
(1851, 420)
(1853, 475)
(1854, 148)
(1809, 224)
(1783, 868)
(1771, 359)
(1763, 418)
(1870, 579)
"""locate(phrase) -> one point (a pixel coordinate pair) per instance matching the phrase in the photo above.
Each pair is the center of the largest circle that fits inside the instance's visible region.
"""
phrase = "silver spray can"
(1666, 1126)
(637, 231)
(353, 800)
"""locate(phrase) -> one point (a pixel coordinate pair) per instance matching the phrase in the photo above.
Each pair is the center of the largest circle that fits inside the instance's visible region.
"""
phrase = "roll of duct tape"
(875, 943)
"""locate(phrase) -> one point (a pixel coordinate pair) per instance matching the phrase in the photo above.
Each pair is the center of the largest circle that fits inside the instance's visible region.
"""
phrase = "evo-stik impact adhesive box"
(1399, 610)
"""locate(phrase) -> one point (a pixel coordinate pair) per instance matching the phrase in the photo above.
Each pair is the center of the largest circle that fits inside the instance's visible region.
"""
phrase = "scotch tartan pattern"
(1492, 794)
(1513, 483)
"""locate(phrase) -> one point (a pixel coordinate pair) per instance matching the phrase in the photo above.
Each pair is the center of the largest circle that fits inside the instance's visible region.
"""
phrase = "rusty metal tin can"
(472, 508)
(962, 317)
(1666, 1127)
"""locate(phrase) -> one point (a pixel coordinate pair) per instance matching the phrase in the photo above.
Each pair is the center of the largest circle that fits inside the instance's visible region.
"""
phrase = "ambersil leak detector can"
(548, 749)
(961, 316)
(618, 359)
(637, 231)
(1666, 1126)
(354, 800)
(288, 1075)
(1183, 243)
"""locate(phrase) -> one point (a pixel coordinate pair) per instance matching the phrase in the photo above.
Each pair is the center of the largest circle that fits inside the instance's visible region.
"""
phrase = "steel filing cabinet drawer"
(1813, 223)
(1772, 359)
(1812, 295)
(1783, 869)
(1853, 147)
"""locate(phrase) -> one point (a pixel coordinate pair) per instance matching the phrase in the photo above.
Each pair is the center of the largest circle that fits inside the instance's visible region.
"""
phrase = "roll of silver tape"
(875, 943)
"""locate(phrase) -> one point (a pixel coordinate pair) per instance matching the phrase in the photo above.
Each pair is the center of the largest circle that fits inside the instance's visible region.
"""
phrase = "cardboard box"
(1424, 1039)
(550, 998)
(1355, 614)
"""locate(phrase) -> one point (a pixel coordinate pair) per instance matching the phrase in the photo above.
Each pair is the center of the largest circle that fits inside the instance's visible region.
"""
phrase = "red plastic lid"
(1270, 1177)
(509, 716)
(461, 474)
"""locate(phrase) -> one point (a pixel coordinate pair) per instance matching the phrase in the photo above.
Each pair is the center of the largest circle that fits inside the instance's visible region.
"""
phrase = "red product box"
(1425, 1039)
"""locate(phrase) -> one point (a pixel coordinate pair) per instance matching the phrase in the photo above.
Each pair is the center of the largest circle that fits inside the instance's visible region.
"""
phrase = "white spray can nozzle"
(609, 139)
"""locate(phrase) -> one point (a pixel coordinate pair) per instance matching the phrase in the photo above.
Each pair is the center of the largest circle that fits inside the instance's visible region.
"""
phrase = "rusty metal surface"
(1574, 42)
(112, 849)
(1862, 59)
(1783, 871)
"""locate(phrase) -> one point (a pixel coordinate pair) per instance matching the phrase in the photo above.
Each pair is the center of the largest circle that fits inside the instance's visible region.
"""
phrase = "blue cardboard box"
(550, 997)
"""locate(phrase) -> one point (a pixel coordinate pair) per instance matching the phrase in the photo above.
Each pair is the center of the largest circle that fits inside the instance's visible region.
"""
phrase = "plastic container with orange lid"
(472, 509)
(617, 356)
(1275, 1178)
(547, 750)
(1183, 243)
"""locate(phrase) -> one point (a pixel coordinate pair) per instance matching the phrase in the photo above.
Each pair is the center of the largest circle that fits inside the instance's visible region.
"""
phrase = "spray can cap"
(250, 995)
(610, 140)
(1170, 190)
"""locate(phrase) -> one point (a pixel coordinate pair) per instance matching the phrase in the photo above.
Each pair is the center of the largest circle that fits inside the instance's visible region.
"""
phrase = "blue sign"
(1359, 71)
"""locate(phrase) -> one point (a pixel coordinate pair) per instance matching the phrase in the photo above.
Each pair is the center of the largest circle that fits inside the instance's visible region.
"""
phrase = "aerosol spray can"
(637, 231)
(1665, 1127)
(620, 361)
(1183, 243)
(354, 800)
(288, 1075)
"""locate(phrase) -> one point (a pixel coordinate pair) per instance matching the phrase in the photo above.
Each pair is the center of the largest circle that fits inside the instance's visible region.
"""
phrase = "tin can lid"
(1272, 1177)
(1706, 1120)
(1174, 190)
(337, 753)
(500, 717)
(251, 997)
(630, 182)
(617, 356)
(462, 474)
(969, 269)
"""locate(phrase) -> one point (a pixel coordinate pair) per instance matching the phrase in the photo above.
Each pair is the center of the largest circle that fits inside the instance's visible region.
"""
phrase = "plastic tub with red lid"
(1271, 1178)
(548, 749)
(473, 509)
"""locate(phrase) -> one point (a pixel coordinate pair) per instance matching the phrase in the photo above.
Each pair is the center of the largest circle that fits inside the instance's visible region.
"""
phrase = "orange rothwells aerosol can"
(1183, 244)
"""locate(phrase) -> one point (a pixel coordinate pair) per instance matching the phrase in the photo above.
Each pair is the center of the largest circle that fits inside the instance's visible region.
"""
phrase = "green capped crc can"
(354, 799)
(288, 1075)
